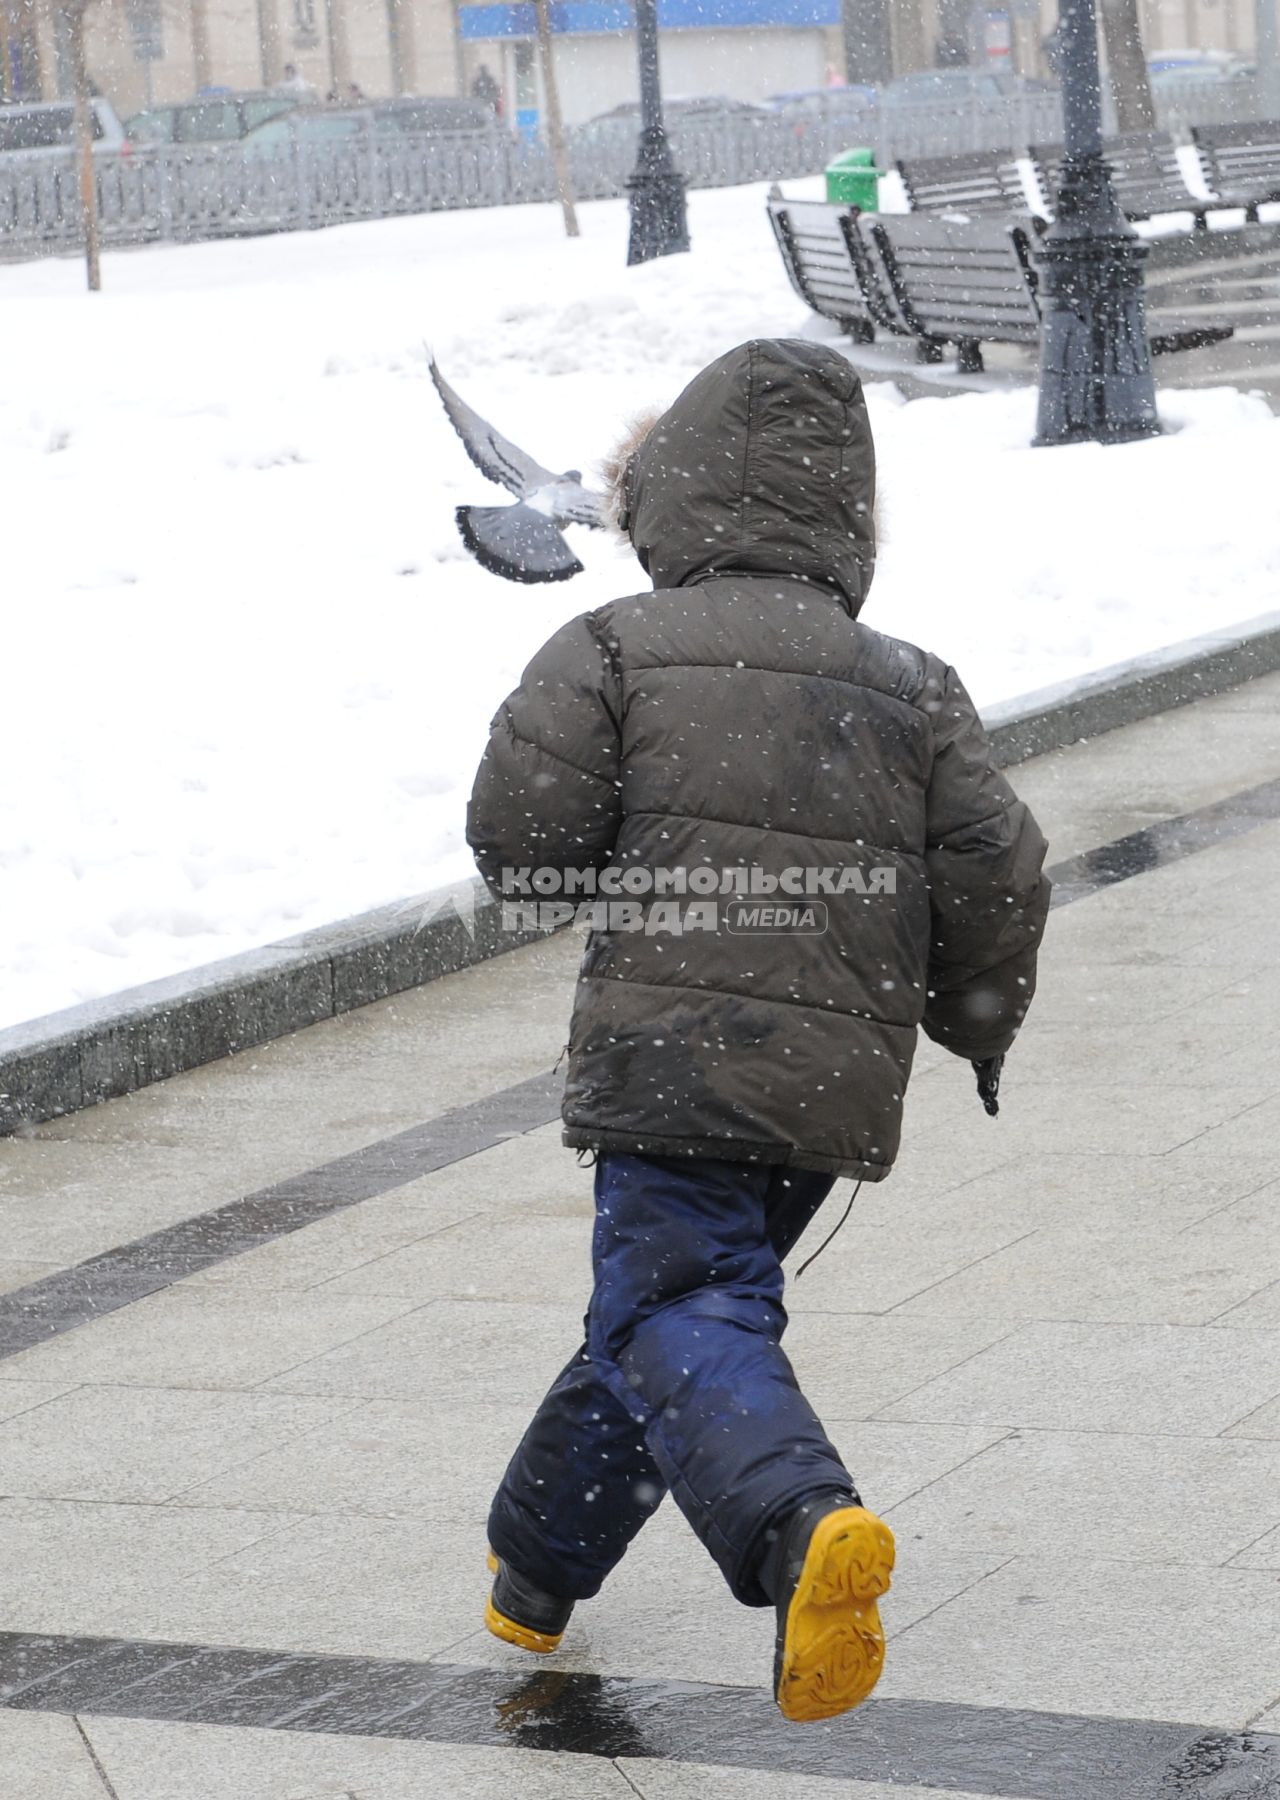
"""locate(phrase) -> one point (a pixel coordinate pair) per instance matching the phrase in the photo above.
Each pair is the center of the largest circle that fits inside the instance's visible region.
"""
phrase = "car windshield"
(436, 115)
(210, 122)
(151, 127)
(40, 127)
(325, 127)
(257, 112)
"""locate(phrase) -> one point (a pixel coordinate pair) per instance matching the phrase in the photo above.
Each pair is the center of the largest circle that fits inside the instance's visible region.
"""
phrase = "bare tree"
(73, 16)
(555, 121)
(1127, 66)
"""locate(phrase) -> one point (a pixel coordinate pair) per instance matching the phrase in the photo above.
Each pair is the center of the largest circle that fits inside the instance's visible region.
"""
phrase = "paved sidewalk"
(1049, 1347)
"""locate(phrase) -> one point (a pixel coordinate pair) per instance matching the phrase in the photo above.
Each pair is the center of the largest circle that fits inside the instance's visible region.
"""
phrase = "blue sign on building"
(585, 17)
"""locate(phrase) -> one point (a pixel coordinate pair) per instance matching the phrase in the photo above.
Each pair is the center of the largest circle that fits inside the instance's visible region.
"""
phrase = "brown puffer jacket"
(739, 719)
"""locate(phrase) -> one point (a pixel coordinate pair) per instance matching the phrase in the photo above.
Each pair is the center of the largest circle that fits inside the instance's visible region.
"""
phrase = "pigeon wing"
(517, 542)
(494, 455)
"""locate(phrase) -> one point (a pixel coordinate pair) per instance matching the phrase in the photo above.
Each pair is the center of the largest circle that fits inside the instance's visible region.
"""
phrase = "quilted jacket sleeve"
(988, 897)
(546, 794)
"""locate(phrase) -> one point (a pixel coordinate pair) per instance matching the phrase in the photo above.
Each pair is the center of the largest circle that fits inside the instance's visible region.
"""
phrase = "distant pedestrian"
(485, 87)
(293, 81)
(733, 734)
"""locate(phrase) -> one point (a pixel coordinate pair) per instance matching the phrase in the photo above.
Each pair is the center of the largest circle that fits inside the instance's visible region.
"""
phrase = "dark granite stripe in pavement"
(972, 1749)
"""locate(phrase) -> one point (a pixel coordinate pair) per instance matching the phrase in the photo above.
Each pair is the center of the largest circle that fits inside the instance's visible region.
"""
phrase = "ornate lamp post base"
(1095, 362)
(659, 216)
(659, 219)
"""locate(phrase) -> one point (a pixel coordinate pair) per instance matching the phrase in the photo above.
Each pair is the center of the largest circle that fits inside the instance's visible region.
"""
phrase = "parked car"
(328, 125)
(1171, 67)
(429, 114)
(39, 128)
(693, 106)
(212, 119)
(307, 125)
(950, 88)
(824, 101)
(619, 127)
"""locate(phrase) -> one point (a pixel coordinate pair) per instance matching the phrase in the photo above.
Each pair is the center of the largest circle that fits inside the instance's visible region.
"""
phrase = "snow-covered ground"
(249, 666)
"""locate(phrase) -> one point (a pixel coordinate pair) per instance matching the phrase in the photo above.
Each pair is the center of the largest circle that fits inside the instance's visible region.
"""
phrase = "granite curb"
(113, 1046)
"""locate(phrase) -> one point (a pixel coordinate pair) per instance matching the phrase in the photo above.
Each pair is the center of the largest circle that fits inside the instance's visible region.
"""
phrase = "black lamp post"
(1095, 361)
(659, 222)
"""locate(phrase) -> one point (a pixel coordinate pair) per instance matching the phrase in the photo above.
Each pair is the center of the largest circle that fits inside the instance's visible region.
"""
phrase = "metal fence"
(207, 191)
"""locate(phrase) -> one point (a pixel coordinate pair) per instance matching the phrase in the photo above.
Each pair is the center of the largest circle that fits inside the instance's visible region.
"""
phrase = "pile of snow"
(248, 664)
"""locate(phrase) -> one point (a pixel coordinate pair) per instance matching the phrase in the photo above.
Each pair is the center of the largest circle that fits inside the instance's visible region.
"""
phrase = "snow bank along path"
(249, 666)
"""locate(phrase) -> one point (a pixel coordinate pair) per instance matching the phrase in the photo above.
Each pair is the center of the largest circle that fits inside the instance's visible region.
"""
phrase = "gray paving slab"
(874, 1268)
(1263, 1553)
(193, 1338)
(147, 1444)
(463, 1351)
(62, 1202)
(44, 1757)
(1198, 1501)
(1149, 1379)
(476, 1260)
(1116, 1276)
(147, 1761)
(1052, 1117)
(336, 1246)
(1260, 1309)
(77, 1566)
(18, 1397)
(654, 1779)
(347, 1585)
(439, 1460)
(17, 1274)
(853, 1364)
(1113, 1639)
(1264, 1422)
(1158, 1193)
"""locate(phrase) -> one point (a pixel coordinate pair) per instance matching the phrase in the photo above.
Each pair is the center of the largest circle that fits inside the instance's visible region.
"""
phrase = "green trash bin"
(852, 180)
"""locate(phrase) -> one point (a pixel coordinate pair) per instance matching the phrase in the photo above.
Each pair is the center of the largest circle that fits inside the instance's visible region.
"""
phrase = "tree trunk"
(201, 60)
(1127, 66)
(6, 54)
(555, 121)
(84, 143)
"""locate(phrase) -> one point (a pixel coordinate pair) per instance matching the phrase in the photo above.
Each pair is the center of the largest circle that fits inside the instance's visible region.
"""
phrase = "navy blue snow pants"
(682, 1382)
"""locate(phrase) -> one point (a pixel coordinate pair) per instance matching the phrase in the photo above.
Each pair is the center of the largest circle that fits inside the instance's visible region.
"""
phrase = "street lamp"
(1095, 361)
(659, 221)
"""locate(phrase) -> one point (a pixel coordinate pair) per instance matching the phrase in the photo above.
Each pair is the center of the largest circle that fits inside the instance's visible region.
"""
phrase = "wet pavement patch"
(977, 1750)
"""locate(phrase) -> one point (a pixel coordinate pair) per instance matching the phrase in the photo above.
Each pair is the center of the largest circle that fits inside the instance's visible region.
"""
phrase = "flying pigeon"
(522, 542)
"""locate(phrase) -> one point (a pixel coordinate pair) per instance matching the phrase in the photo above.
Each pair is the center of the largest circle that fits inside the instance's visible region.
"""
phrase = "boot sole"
(833, 1649)
(541, 1643)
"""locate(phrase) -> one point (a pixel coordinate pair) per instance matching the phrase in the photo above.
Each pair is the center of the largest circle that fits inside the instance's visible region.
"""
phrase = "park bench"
(976, 281)
(935, 280)
(1242, 160)
(1146, 173)
(982, 182)
(814, 239)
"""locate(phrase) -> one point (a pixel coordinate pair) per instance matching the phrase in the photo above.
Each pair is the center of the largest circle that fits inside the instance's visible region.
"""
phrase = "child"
(801, 852)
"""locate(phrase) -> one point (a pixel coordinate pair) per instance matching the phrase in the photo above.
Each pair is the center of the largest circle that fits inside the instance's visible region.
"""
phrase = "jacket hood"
(763, 466)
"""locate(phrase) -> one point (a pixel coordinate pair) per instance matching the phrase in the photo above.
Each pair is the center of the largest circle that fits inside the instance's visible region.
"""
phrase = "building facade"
(144, 52)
